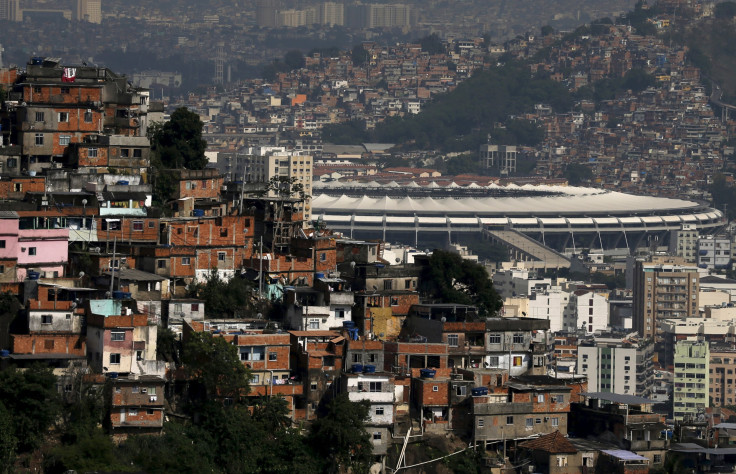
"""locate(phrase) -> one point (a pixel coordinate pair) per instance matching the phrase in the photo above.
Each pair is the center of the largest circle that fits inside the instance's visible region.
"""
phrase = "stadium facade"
(559, 217)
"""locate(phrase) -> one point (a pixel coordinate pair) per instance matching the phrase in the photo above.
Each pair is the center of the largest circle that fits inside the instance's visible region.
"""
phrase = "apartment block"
(692, 368)
(714, 252)
(722, 380)
(622, 365)
(684, 242)
(663, 291)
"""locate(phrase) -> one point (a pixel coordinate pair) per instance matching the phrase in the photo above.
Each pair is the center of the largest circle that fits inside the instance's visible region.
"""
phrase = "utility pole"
(260, 271)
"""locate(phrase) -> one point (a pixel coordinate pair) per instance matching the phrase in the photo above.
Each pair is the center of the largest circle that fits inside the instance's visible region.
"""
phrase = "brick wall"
(73, 344)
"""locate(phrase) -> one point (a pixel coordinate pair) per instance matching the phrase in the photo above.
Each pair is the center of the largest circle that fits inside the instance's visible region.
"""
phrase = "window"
(509, 420)
(65, 90)
(357, 358)
(461, 390)
(493, 361)
(185, 261)
(530, 422)
(561, 461)
(161, 263)
(149, 411)
(252, 353)
(323, 257)
(117, 336)
(2, 269)
(555, 422)
(138, 226)
(376, 436)
(657, 458)
(452, 340)
(63, 116)
(64, 140)
(518, 339)
(314, 324)
(91, 152)
(88, 116)
(115, 359)
(39, 116)
(517, 361)
(124, 152)
(272, 356)
(494, 339)
(481, 422)
(375, 386)
(255, 378)
(394, 301)
(540, 398)
(221, 256)
(46, 319)
(39, 139)
(379, 411)
(435, 388)
(340, 313)
(31, 250)
(388, 284)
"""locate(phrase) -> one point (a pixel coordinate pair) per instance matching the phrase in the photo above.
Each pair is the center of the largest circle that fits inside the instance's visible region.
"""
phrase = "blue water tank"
(357, 368)
(118, 295)
(348, 324)
(319, 275)
(4, 353)
(123, 182)
(33, 275)
(127, 294)
(112, 375)
(369, 369)
(198, 213)
(37, 60)
(479, 391)
(427, 373)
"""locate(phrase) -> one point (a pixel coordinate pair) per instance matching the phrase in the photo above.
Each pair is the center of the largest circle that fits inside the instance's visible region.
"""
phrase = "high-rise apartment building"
(89, 11)
(692, 363)
(10, 10)
(266, 13)
(332, 13)
(617, 365)
(499, 156)
(684, 242)
(721, 382)
(663, 291)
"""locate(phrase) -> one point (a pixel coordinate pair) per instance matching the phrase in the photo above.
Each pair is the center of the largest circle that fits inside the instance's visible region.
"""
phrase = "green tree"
(178, 143)
(9, 307)
(294, 59)
(224, 299)
(577, 174)
(167, 345)
(358, 55)
(340, 436)
(91, 453)
(31, 398)
(452, 279)
(8, 441)
(432, 44)
(215, 365)
(725, 10)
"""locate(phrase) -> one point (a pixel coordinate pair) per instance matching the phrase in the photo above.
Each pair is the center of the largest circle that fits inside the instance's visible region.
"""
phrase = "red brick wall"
(49, 344)
(52, 94)
(205, 188)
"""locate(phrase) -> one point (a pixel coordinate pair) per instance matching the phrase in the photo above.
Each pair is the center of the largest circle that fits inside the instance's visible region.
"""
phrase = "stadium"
(558, 217)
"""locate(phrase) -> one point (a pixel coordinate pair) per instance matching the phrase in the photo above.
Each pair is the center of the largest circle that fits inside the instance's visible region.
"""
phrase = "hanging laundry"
(70, 74)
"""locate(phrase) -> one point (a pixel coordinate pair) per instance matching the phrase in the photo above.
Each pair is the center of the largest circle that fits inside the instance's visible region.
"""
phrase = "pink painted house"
(8, 246)
(31, 244)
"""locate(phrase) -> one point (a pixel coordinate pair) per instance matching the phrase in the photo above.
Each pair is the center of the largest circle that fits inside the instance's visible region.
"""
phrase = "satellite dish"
(259, 316)
(398, 260)
(81, 274)
(84, 202)
(443, 319)
(352, 264)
